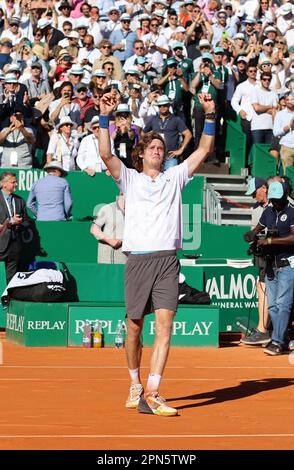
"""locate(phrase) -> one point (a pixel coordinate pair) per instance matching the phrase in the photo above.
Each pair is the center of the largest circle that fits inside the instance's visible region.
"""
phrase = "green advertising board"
(233, 291)
(193, 326)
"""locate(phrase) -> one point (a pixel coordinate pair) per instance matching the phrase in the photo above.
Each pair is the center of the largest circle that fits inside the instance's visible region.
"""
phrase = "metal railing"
(212, 212)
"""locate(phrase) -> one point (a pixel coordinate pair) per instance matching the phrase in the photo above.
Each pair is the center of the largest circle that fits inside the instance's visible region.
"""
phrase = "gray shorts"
(151, 282)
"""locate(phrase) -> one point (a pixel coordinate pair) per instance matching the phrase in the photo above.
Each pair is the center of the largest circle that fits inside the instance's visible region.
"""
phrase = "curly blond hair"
(141, 147)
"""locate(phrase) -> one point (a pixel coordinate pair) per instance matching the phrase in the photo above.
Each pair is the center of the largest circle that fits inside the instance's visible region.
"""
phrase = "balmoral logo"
(15, 322)
(234, 291)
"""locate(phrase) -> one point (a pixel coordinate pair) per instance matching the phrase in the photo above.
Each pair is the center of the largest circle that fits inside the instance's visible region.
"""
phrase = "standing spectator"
(284, 128)
(172, 128)
(17, 141)
(50, 198)
(63, 145)
(108, 228)
(241, 103)
(124, 134)
(123, 39)
(51, 35)
(264, 103)
(37, 86)
(207, 80)
(63, 106)
(82, 100)
(13, 217)
(88, 158)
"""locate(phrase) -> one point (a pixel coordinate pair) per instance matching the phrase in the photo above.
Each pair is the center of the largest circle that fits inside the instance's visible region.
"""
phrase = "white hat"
(286, 9)
(242, 58)
(57, 85)
(181, 29)
(76, 69)
(204, 43)
(43, 23)
(65, 120)
(267, 41)
(250, 20)
(144, 16)
(270, 29)
(81, 23)
(264, 61)
(125, 17)
(240, 12)
(14, 68)
(158, 13)
(10, 78)
(94, 120)
(2, 76)
(99, 73)
(239, 36)
(55, 165)
(73, 34)
(163, 99)
(132, 71)
(123, 108)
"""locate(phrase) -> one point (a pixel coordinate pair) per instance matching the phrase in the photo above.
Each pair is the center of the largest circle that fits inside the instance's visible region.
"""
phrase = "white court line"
(147, 367)
(8, 379)
(141, 436)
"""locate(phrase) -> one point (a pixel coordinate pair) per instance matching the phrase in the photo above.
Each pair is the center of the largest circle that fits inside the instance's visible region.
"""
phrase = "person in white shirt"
(156, 44)
(152, 234)
(264, 103)
(284, 128)
(88, 54)
(241, 103)
(88, 158)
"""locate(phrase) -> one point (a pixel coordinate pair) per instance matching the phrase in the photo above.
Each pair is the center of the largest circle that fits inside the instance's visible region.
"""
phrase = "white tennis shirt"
(153, 213)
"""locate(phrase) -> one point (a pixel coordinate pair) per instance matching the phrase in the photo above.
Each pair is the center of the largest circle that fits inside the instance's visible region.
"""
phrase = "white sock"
(134, 374)
(182, 278)
(153, 382)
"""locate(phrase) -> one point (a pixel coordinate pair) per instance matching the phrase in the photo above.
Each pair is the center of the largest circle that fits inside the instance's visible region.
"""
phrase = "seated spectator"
(50, 198)
(63, 145)
(17, 141)
(105, 47)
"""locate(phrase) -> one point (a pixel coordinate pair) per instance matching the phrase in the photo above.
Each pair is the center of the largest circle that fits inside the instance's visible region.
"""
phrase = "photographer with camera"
(257, 188)
(278, 250)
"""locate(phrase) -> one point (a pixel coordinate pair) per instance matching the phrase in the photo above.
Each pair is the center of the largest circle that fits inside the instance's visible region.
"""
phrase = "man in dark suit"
(13, 217)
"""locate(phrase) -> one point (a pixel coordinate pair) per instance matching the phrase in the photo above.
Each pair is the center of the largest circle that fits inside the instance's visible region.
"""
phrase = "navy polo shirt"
(283, 221)
(171, 127)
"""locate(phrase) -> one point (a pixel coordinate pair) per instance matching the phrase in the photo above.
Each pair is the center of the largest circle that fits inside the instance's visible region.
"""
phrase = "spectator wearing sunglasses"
(123, 39)
(264, 103)
(105, 47)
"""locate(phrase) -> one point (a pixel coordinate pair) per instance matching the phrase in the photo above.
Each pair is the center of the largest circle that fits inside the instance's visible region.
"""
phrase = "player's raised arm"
(107, 105)
(206, 144)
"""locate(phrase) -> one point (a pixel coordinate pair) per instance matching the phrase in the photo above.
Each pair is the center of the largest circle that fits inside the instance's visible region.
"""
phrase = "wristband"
(209, 128)
(103, 122)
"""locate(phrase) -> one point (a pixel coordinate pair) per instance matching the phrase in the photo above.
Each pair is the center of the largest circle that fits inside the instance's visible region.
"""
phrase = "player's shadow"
(244, 389)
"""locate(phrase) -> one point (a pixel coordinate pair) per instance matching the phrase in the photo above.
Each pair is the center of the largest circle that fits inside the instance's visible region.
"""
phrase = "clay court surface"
(234, 397)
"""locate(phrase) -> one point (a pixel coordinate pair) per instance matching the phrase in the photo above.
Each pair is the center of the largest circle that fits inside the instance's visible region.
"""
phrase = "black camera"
(252, 238)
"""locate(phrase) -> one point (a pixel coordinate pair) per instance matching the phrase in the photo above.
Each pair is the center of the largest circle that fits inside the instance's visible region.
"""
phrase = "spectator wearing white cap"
(63, 145)
(14, 32)
(51, 35)
(249, 29)
(285, 20)
(267, 49)
(88, 158)
(88, 53)
(105, 47)
(204, 48)
(37, 86)
(75, 75)
(123, 39)
(113, 23)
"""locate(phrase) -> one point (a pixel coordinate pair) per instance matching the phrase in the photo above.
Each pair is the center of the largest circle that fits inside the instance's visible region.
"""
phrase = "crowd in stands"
(156, 56)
